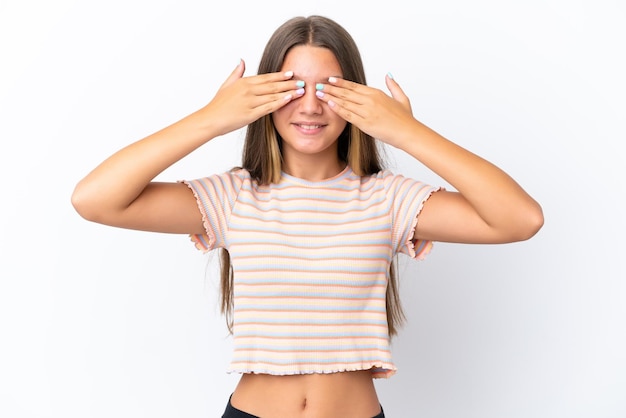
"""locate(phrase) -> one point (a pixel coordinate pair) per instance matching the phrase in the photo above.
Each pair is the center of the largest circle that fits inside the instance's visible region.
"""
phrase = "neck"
(313, 169)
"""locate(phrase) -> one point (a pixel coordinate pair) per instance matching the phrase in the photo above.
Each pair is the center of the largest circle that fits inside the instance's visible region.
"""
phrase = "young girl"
(310, 224)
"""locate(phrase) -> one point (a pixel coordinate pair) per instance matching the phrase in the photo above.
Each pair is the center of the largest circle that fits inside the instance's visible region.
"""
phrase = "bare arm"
(488, 206)
(121, 192)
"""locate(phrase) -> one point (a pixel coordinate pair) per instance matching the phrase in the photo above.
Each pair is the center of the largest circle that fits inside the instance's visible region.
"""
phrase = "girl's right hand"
(242, 100)
(120, 191)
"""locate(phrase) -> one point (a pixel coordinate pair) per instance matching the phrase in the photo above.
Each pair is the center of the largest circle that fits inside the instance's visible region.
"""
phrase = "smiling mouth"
(308, 127)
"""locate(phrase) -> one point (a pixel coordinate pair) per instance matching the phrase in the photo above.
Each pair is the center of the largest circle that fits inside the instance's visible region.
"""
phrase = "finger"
(270, 77)
(344, 89)
(264, 94)
(343, 83)
(396, 91)
(236, 74)
(271, 86)
(349, 99)
(348, 110)
(260, 86)
(266, 104)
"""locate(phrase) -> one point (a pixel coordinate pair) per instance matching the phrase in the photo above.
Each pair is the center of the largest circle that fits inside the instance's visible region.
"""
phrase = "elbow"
(84, 205)
(529, 224)
(80, 204)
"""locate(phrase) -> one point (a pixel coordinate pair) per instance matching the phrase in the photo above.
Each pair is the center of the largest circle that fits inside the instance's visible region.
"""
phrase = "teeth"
(310, 126)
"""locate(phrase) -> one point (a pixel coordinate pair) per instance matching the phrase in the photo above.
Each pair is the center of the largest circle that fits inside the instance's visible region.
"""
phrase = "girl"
(309, 225)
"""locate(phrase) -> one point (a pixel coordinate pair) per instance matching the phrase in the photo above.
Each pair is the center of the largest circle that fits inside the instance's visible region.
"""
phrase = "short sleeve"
(215, 196)
(408, 198)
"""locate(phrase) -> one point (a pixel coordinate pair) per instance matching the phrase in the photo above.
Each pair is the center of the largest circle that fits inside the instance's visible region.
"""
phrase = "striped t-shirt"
(311, 263)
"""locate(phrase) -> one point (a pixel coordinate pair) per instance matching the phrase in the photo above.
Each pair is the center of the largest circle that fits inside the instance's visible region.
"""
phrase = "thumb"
(396, 92)
(236, 74)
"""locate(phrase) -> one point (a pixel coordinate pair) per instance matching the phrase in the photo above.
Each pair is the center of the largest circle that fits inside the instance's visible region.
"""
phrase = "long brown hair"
(262, 156)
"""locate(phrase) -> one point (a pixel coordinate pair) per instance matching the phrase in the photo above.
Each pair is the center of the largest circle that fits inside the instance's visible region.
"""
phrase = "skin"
(310, 153)
(486, 205)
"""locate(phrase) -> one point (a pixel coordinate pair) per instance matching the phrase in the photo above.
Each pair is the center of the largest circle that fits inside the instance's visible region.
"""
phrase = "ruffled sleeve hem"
(203, 242)
(419, 248)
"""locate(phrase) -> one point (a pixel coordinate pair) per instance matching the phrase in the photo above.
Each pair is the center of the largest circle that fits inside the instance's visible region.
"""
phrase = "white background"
(102, 322)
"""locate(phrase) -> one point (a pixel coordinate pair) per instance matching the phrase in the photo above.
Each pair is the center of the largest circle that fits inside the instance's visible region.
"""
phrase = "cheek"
(280, 119)
(283, 113)
(340, 122)
(277, 117)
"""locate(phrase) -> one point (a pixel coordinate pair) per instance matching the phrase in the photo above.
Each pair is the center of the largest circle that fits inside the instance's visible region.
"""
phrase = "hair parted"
(262, 156)
(261, 153)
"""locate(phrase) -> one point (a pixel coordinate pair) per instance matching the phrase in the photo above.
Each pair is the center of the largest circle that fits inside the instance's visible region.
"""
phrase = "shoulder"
(236, 175)
(387, 178)
(396, 184)
(230, 181)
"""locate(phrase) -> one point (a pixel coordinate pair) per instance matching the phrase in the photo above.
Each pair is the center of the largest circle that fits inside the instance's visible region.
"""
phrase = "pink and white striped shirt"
(311, 263)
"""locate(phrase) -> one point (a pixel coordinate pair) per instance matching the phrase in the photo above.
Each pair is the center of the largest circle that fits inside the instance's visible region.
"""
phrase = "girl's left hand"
(370, 109)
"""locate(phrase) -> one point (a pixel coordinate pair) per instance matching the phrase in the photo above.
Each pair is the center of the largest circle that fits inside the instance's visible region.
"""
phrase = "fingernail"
(299, 83)
(319, 94)
(319, 86)
(300, 92)
(332, 79)
(288, 74)
(331, 103)
(288, 97)
(390, 75)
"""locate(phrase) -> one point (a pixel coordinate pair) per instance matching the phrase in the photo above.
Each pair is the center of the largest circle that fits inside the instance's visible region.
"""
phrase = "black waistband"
(232, 412)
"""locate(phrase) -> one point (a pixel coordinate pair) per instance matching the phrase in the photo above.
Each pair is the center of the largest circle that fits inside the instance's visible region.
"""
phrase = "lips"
(308, 127)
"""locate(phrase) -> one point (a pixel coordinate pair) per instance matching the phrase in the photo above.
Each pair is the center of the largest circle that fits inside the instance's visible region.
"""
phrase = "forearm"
(115, 183)
(495, 197)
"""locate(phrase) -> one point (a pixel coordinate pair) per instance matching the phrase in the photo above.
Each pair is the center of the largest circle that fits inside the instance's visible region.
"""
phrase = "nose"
(309, 103)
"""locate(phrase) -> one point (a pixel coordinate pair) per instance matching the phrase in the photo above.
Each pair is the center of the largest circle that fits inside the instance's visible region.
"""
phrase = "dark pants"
(232, 412)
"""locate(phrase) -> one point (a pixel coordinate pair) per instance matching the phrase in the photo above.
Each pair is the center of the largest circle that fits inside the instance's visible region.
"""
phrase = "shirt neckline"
(338, 177)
